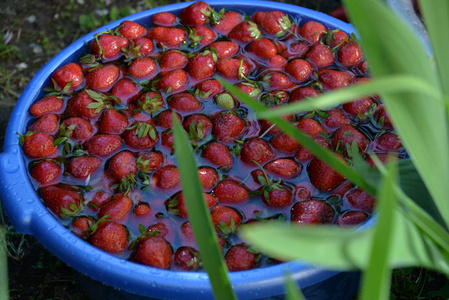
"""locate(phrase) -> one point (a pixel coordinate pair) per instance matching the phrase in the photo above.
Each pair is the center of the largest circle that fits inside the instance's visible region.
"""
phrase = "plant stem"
(4, 286)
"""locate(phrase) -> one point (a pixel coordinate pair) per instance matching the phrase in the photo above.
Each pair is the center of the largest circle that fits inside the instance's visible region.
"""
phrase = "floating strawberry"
(141, 135)
(187, 258)
(122, 164)
(173, 59)
(346, 135)
(81, 129)
(284, 143)
(208, 177)
(165, 118)
(382, 118)
(333, 79)
(201, 66)
(232, 68)
(350, 55)
(312, 212)
(387, 142)
(285, 168)
(227, 126)
(113, 122)
(47, 123)
(177, 205)
(303, 154)
(322, 176)
(244, 32)
(201, 36)
(224, 49)
(48, 104)
(218, 155)
(110, 236)
(83, 166)
(312, 31)
(360, 199)
(81, 225)
(184, 103)
(149, 161)
(351, 218)
(62, 202)
(173, 81)
(334, 119)
(108, 47)
(168, 37)
(320, 56)
(38, 145)
(118, 209)
(276, 80)
(131, 30)
(103, 78)
(143, 68)
(229, 20)
(195, 14)
(296, 50)
(103, 144)
(69, 77)
(230, 191)
(198, 126)
(142, 210)
(165, 19)
(167, 177)
(299, 69)
(274, 23)
(208, 88)
(225, 219)
(359, 108)
(46, 172)
(241, 257)
(153, 251)
(311, 127)
(256, 150)
(262, 48)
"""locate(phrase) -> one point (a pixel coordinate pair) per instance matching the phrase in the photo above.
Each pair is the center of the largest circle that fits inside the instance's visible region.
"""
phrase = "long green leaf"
(392, 49)
(199, 216)
(292, 292)
(4, 287)
(376, 279)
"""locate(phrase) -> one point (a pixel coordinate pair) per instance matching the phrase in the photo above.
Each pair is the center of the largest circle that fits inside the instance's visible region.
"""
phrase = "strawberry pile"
(99, 144)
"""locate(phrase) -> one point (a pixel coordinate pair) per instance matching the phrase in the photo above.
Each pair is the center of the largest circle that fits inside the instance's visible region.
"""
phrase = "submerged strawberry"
(68, 77)
(240, 258)
(312, 212)
(110, 236)
(62, 202)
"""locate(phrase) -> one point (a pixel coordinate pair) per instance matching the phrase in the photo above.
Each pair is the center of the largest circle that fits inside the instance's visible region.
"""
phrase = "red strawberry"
(146, 105)
(184, 103)
(78, 106)
(229, 20)
(187, 258)
(149, 161)
(168, 140)
(303, 154)
(141, 135)
(335, 38)
(103, 78)
(98, 199)
(122, 164)
(142, 210)
(387, 142)
(359, 199)
(165, 119)
(46, 172)
(60, 201)
(256, 150)
(312, 31)
(262, 48)
(168, 37)
(322, 176)
(48, 104)
(346, 135)
(225, 49)
(83, 166)
(358, 108)
(201, 66)
(143, 68)
(302, 93)
(167, 177)
(225, 219)
(312, 212)
(276, 80)
(195, 14)
(201, 36)
(108, 47)
(320, 56)
(232, 68)
(198, 126)
(244, 32)
(177, 205)
(38, 145)
(82, 128)
(248, 88)
(80, 226)
(227, 126)
(231, 191)
(140, 47)
(111, 237)
(285, 168)
(303, 191)
(351, 218)
(103, 144)
(284, 143)
(363, 67)
(113, 122)
(240, 258)
(350, 55)
(274, 23)
(334, 119)
(208, 88)
(173, 59)
(47, 123)
(68, 76)
(153, 251)
(173, 82)
(165, 19)
(118, 209)
(208, 177)
(131, 30)
(160, 229)
(299, 69)
(218, 155)
(333, 79)
(342, 188)
(277, 195)
(276, 62)
(311, 127)
(382, 118)
(125, 90)
(296, 50)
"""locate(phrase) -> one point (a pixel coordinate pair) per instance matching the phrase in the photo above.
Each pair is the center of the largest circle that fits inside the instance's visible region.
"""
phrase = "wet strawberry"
(118, 209)
(232, 68)
(201, 36)
(46, 172)
(359, 108)
(38, 145)
(61, 201)
(142, 210)
(47, 123)
(173, 82)
(244, 32)
(312, 212)
(108, 47)
(334, 119)
(165, 19)
(284, 168)
(335, 38)
(382, 118)
(302, 93)
(274, 23)
(276, 80)
(187, 258)
(198, 126)
(113, 122)
(153, 251)
(208, 88)
(69, 77)
(81, 128)
(262, 48)
(277, 195)
(103, 144)
(201, 66)
(388, 142)
(165, 119)
(227, 126)
(111, 237)
(363, 67)
(168, 37)
(140, 47)
(229, 20)
(225, 49)
(284, 143)
(149, 161)
(296, 50)
(383, 157)
(218, 155)
(256, 150)
(79, 106)
(320, 56)
(141, 135)
(208, 177)
(350, 55)
(240, 258)
(342, 188)
(333, 79)
(161, 229)
(323, 176)
(122, 164)
(249, 89)
(168, 140)
(300, 70)
(83, 166)
(346, 135)
(143, 68)
(131, 30)
(311, 127)
(225, 219)
(312, 31)
(195, 14)
(351, 218)
(230, 191)
(97, 199)
(177, 204)
(173, 59)
(184, 103)
(360, 199)
(103, 78)
(125, 90)
(303, 154)
(80, 226)
(276, 62)
(167, 177)
(48, 104)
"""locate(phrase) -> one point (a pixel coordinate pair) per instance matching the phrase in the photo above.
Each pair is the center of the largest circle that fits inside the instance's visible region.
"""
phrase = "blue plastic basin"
(29, 216)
